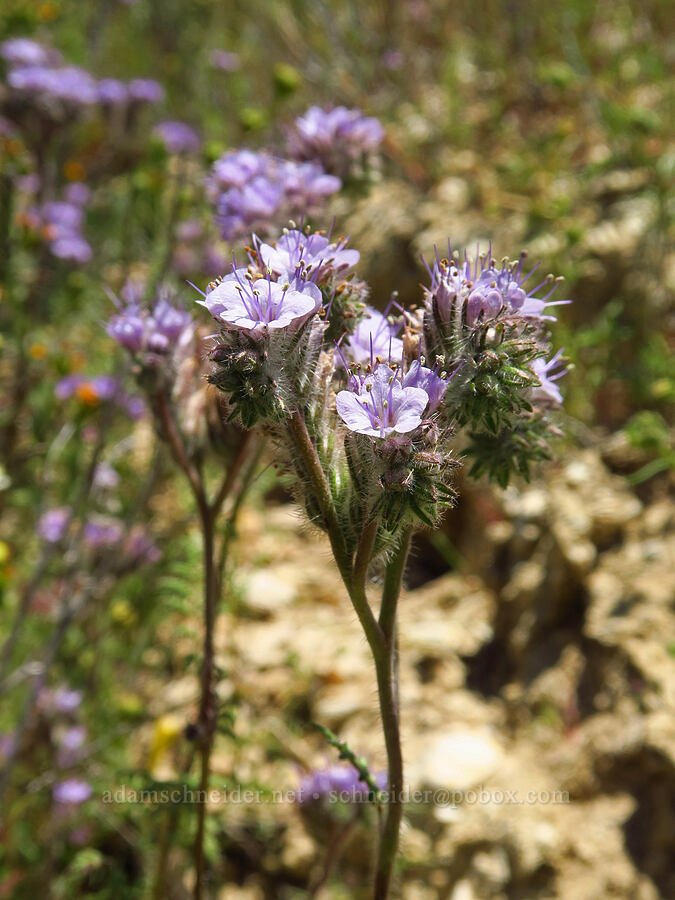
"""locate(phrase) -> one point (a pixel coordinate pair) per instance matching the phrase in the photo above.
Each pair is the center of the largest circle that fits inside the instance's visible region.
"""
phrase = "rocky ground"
(541, 692)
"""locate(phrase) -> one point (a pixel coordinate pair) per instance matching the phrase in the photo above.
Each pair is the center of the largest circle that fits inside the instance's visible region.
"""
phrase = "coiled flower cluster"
(381, 395)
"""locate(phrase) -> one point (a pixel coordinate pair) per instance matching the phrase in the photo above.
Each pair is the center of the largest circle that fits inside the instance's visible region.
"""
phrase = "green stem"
(387, 685)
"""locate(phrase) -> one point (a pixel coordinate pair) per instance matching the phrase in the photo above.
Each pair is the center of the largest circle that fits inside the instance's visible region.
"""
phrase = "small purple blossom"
(78, 194)
(309, 256)
(145, 90)
(257, 191)
(335, 137)
(70, 744)
(100, 533)
(373, 338)
(257, 307)
(52, 525)
(112, 92)
(140, 548)
(158, 332)
(63, 700)
(178, 137)
(22, 51)
(69, 84)
(336, 783)
(378, 404)
(72, 792)
(548, 373)
(486, 289)
(105, 476)
(225, 60)
(431, 383)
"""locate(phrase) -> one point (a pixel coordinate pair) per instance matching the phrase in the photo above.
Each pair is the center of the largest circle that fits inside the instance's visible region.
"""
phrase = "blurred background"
(538, 639)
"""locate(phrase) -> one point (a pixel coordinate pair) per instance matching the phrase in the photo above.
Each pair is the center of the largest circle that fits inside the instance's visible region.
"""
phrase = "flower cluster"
(151, 334)
(336, 784)
(265, 308)
(382, 393)
(260, 192)
(97, 389)
(340, 139)
(178, 137)
(60, 224)
(40, 74)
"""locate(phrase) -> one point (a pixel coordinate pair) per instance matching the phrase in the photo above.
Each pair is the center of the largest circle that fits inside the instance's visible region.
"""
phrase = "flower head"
(484, 289)
(335, 137)
(373, 338)
(378, 404)
(52, 525)
(336, 783)
(258, 306)
(22, 51)
(308, 256)
(72, 792)
(178, 137)
(145, 90)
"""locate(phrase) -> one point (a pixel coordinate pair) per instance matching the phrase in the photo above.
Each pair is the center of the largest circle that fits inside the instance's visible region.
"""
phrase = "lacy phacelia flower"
(100, 533)
(225, 60)
(373, 338)
(178, 137)
(484, 289)
(307, 256)
(21, 51)
(60, 224)
(164, 329)
(547, 391)
(336, 783)
(145, 90)
(259, 192)
(72, 792)
(95, 390)
(335, 137)
(378, 404)
(258, 306)
(52, 525)
(432, 384)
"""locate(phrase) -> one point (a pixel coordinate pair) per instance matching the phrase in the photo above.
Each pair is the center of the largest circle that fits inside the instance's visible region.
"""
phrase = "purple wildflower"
(256, 307)
(145, 90)
(484, 289)
(225, 60)
(547, 391)
(72, 792)
(306, 255)
(63, 700)
(128, 329)
(432, 384)
(335, 137)
(52, 525)
(70, 744)
(105, 476)
(102, 533)
(22, 51)
(112, 92)
(78, 194)
(257, 191)
(178, 137)
(373, 338)
(378, 404)
(140, 547)
(158, 332)
(336, 783)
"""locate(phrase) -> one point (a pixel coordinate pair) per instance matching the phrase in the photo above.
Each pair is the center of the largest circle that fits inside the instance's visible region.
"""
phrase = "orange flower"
(86, 392)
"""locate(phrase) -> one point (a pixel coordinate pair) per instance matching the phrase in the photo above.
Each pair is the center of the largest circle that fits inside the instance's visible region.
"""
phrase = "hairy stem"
(206, 722)
(387, 685)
